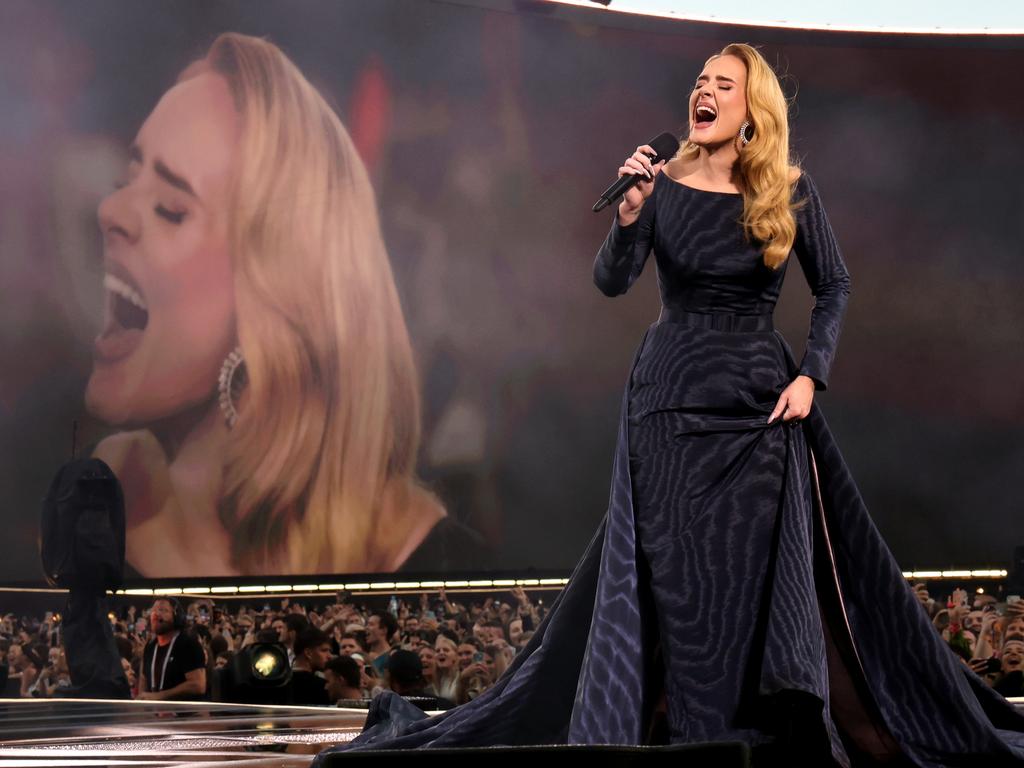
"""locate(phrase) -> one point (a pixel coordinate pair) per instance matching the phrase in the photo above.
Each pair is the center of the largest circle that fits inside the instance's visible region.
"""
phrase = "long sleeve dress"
(737, 577)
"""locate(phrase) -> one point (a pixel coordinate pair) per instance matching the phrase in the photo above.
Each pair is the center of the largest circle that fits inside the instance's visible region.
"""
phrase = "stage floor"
(79, 732)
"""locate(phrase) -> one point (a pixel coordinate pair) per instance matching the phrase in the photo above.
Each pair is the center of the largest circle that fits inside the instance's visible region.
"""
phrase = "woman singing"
(737, 575)
(255, 356)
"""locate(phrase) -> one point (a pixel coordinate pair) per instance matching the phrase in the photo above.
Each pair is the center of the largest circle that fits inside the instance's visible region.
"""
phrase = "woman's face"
(169, 319)
(515, 631)
(1013, 656)
(444, 653)
(427, 656)
(718, 102)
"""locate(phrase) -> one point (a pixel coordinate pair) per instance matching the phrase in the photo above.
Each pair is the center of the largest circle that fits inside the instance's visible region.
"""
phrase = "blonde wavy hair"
(319, 474)
(768, 171)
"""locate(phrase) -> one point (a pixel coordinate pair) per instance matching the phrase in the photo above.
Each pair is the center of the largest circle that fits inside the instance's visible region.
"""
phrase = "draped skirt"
(736, 589)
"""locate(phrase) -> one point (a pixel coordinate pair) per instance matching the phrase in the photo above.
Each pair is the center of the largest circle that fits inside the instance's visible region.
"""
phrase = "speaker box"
(82, 528)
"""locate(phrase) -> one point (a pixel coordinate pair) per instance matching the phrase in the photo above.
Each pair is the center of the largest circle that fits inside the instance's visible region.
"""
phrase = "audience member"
(353, 642)
(468, 650)
(427, 656)
(343, 675)
(312, 652)
(446, 665)
(293, 625)
(1011, 682)
(447, 649)
(380, 630)
(173, 666)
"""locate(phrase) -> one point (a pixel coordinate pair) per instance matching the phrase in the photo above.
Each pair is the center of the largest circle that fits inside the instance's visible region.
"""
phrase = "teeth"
(702, 109)
(125, 291)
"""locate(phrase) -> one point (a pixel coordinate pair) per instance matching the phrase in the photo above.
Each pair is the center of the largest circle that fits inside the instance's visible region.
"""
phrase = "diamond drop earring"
(230, 383)
(743, 133)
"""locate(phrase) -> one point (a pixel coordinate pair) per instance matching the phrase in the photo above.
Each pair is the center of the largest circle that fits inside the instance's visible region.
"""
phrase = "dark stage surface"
(77, 732)
(80, 732)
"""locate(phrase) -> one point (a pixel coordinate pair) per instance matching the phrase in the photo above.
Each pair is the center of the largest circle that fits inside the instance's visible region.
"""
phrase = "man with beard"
(173, 665)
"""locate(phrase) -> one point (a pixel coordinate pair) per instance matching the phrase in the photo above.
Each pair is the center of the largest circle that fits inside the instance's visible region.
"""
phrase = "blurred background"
(489, 129)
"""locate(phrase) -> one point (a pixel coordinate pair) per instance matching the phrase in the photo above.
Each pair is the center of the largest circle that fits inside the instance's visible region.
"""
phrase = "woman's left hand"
(795, 400)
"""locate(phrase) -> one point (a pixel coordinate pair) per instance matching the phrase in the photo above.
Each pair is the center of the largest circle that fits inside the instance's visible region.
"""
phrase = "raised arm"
(621, 257)
(826, 274)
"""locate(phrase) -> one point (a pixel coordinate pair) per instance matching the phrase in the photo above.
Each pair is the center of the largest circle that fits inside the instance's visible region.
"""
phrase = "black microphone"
(664, 146)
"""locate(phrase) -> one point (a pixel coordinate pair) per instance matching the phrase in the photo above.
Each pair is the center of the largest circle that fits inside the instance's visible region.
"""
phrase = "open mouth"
(704, 115)
(127, 316)
(127, 307)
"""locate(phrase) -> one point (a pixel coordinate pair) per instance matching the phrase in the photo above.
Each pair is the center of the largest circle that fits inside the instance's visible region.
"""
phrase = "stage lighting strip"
(638, 8)
(464, 585)
(979, 574)
(357, 587)
(369, 587)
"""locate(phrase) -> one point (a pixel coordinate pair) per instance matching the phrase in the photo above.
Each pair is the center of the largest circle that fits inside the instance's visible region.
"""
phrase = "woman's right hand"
(638, 164)
(476, 668)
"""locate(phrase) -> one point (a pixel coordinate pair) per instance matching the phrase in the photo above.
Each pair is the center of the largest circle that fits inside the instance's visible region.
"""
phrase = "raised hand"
(638, 164)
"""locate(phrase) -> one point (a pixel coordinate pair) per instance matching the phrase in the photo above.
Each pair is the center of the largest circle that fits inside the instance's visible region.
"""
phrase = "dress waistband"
(716, 321)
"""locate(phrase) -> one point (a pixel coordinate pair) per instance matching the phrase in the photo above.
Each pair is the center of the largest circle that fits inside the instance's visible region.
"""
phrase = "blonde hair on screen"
(320, 471)
(765, 163)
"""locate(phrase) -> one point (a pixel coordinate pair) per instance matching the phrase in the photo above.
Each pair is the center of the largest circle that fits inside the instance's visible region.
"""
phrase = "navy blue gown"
(737, 588)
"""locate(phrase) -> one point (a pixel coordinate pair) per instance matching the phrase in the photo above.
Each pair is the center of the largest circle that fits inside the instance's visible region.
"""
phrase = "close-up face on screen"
(317, 282)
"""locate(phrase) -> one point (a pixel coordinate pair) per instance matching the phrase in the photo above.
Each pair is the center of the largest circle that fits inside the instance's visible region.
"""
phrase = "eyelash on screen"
(175, 217)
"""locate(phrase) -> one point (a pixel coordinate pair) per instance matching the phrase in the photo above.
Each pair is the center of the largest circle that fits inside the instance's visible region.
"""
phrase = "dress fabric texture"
(737, 581)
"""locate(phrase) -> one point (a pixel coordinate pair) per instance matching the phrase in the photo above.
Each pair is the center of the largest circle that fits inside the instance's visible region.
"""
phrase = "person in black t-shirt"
(312, 652)
(173, 665)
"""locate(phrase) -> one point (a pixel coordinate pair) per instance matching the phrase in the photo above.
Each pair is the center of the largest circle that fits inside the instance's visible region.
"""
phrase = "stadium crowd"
(438, 650)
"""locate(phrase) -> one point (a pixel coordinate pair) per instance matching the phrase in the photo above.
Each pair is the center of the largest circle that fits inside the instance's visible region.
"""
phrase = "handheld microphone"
(664, 146)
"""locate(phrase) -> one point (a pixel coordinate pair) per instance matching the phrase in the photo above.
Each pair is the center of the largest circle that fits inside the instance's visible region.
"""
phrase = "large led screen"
(339, 318)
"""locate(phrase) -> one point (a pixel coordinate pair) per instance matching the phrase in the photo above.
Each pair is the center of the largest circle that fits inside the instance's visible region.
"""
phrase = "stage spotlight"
(267, 665)
(259, 674)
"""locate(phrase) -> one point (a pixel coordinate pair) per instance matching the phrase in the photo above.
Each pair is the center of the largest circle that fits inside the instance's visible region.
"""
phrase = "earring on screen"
(230, 383)
(743, 137)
